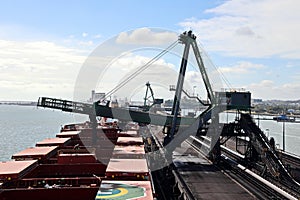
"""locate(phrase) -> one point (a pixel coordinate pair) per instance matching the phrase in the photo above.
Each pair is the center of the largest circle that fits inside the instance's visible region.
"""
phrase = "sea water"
(23, 126)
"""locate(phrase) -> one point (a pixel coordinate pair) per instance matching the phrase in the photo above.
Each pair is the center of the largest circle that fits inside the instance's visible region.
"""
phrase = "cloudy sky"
(44, 46)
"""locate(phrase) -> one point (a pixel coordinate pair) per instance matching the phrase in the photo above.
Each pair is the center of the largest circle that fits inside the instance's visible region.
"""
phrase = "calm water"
(292, 134)
(22, 126)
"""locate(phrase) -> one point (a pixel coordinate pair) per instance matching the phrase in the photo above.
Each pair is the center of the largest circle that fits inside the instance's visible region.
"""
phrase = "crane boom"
(105, 111)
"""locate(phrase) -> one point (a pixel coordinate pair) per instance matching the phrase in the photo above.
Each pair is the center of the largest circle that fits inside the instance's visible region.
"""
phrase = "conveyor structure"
(217, 102)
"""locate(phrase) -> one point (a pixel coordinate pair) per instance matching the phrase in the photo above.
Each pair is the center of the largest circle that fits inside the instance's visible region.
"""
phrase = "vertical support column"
(146, 95)
(215, 139)
(184, 38)
(283, 135)
(94, 123)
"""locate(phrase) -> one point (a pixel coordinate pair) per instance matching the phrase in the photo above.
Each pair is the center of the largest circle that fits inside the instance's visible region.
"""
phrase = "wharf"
(203, 179)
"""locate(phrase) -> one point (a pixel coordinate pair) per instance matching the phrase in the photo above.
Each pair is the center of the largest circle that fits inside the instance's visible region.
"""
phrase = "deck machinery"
(217, 102)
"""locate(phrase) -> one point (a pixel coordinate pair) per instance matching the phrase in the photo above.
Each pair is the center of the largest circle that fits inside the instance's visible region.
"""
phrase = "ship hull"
(76, 193)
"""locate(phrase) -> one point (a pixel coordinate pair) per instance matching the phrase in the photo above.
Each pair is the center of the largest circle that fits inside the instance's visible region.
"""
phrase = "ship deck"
(136, 151)
(67, 134)
(16, 169)
(36, 153)
(127, 166)
(53, 142)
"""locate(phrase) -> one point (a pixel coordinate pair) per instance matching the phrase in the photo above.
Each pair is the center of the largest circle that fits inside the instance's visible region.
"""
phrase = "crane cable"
(140, 69)
(229, 85)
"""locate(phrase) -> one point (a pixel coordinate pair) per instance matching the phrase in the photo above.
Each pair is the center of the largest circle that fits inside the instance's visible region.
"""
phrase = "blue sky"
(43, 44)
(59, 19)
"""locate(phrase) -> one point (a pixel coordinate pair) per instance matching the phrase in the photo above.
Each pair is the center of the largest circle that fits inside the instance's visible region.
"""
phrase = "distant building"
(257, 100)
(114, 104)
(97, 96)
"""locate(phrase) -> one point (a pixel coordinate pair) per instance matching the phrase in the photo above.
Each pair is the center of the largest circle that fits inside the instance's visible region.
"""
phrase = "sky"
(45, 46)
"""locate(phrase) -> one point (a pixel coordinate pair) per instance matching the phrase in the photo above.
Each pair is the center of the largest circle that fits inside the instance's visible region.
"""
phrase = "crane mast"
(188, 39)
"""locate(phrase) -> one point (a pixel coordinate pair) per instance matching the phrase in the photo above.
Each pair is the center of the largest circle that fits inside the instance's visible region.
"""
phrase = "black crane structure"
(217, 103)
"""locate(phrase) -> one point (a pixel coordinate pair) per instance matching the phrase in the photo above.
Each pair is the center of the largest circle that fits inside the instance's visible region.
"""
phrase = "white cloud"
(194, 84)
(84, 34)
(251, 28)
(97, 36)
(159, 73)
(86, 43)
(30, 69)
(241, 67)
(268, 89)
(79, 43)
(146, 36)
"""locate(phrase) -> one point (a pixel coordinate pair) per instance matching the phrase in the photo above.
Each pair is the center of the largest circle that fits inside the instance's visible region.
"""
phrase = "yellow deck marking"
(123, 192)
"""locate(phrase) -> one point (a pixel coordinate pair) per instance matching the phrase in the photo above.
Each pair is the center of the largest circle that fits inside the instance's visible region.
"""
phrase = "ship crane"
(146, 98)
(154, 100)
(145, 106)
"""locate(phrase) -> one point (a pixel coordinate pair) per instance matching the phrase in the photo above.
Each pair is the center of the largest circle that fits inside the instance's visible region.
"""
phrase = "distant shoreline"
(19, 103)
(265, 114)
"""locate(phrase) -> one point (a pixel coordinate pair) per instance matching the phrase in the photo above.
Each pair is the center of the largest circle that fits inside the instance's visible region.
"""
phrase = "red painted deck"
(53, 142)
(36, 153)
(76, 158)
(127, 169)
(127, 165)
(130, 133)
(61, 193)
(130, 141)
(71, 134)
(16, 169)
(129, 151)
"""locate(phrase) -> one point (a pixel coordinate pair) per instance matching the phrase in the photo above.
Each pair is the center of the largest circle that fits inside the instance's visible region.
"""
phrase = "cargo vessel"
(73, 166)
